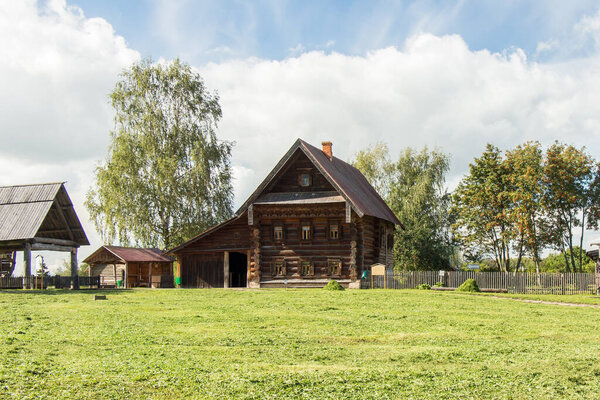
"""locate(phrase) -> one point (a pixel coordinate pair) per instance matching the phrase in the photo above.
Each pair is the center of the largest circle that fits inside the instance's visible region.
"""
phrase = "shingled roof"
(129, 254)
(348, 181)
(42, 210)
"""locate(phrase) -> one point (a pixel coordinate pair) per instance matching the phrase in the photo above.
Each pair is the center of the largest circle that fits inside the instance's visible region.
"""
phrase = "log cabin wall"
(202, 261)
(292, 250)
(235, 235)
(107, 272)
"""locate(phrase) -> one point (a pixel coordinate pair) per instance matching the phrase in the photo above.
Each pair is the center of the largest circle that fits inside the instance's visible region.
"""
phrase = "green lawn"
(162, 344)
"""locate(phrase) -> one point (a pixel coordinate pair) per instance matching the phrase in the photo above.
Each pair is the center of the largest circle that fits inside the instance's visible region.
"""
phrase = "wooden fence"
(58, 282)
(523, 283)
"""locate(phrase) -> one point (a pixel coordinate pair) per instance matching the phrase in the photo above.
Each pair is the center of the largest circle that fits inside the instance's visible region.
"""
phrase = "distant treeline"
(512, 207)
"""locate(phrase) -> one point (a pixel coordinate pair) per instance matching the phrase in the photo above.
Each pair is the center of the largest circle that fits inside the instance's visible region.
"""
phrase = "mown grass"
(377, 344)
(573, 299)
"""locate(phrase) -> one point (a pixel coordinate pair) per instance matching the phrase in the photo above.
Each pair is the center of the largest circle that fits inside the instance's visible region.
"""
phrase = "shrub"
(423, 286)
(468, 286)
(439, 284)
(333, 285)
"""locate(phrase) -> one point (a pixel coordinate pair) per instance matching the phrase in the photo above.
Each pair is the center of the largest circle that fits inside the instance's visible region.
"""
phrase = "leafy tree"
(571, 198)
(166, 176)
(481, 206)
(376, 166)
(414, 188)
(525, 173)
(556, 262)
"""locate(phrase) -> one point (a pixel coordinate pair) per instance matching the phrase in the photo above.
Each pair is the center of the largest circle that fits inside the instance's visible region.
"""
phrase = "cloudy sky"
(451, 75)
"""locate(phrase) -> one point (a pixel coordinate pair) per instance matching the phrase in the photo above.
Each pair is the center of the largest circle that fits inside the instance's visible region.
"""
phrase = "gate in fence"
(521, 283)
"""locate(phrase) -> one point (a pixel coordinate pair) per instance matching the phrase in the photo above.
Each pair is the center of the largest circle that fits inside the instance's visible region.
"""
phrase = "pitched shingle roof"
(347, 180)
(25, 208)
(130, 254)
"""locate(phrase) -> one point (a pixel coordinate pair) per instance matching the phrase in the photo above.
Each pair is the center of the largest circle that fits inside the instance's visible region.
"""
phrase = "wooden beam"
(50, 247)
(61, 215)
(226, 269)
(74, 280)
(27, 265)
(60, 242)
(348, 213)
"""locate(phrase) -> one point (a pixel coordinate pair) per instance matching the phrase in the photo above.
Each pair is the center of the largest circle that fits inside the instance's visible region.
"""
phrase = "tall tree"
(481, 205)
(571, 198)
(525, 175)
(414, 188)
(166, 176)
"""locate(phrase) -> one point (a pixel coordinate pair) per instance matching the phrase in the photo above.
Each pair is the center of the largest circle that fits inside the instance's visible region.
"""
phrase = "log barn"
(131, 267)
(313, 218)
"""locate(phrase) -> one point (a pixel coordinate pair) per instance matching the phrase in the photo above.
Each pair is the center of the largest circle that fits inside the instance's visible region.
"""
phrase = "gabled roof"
(348, 181)
(130, 254)
(203, 234)
(43, 210)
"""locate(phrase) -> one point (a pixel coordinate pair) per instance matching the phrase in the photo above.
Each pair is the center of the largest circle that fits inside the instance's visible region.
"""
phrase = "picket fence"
(58, 282)
(522, 283)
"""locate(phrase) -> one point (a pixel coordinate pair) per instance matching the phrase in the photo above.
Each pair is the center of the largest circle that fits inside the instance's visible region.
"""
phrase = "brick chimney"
(327, 149)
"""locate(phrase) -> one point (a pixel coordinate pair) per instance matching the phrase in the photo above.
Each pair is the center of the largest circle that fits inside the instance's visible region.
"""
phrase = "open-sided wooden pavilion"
(314, 218)
(38, 217)
(134, 267)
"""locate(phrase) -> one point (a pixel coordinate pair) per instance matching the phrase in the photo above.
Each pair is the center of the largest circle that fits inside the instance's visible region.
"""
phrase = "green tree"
(525, 175)
(414, 188)
(571, 198)
(480, 209)
(166, 176)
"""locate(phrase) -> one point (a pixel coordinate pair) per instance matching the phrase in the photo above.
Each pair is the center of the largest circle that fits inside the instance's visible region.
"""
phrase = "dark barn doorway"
(238, 269)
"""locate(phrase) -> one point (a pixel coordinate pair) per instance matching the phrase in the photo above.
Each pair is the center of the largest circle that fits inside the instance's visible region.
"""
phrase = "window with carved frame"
(334, 267)
(278, 268)
(306, 231)
(306, 268)
(278, 233)
(334, 231)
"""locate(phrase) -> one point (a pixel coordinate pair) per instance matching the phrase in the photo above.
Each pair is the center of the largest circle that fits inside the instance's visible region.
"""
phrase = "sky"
(447, 75)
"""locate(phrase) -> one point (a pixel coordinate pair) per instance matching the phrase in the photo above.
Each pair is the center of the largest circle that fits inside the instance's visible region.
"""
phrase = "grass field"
(162, 344)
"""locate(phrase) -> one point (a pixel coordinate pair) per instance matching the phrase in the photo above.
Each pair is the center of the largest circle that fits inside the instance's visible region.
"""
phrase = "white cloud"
(434, 91)
(56, 70)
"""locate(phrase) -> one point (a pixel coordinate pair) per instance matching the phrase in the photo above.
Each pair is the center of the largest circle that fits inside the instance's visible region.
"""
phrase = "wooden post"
(149, 275)
(248, 266)
(74, 280)
(27, 265)
(178, 271)
(126, 277)
(115, 274)
(598, 274)
(255, 272)
(226, 269)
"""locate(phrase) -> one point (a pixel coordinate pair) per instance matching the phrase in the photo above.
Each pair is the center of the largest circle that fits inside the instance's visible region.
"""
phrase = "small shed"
(35, 218)
(131, 267)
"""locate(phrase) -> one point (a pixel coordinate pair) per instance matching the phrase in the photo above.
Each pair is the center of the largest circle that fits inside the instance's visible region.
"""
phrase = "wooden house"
(131, 267)
(314, 218)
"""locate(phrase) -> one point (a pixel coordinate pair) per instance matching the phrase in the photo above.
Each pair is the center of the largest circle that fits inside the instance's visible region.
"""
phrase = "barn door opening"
(237, 269)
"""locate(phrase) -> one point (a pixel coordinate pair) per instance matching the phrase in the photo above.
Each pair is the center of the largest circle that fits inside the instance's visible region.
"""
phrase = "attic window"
(305, 180)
